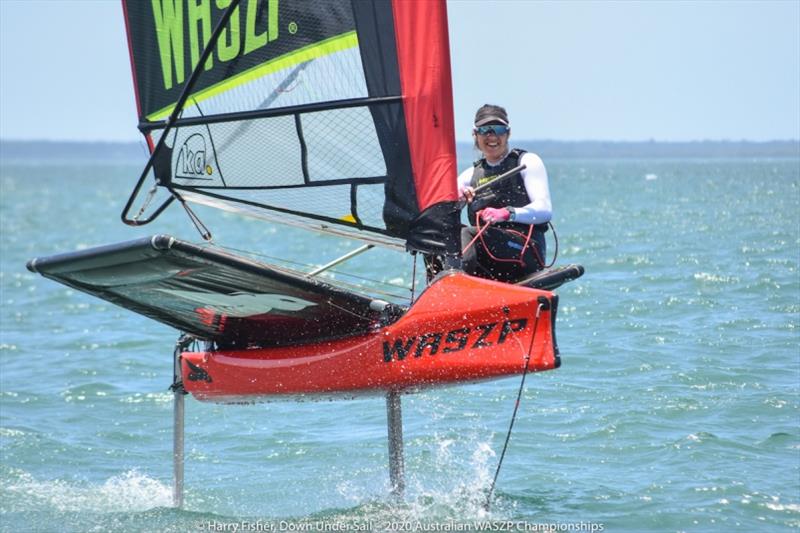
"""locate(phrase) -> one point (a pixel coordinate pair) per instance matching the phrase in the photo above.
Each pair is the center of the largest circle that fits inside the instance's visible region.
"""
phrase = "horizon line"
(468, 141)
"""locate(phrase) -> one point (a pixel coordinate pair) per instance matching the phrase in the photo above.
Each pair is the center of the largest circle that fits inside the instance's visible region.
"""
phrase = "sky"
(565, 70)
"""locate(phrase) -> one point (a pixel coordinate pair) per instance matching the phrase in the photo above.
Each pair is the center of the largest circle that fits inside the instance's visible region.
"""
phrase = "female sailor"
(505, 239)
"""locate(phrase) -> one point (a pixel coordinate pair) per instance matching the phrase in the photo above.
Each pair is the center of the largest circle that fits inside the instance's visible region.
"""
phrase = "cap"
(488, 114)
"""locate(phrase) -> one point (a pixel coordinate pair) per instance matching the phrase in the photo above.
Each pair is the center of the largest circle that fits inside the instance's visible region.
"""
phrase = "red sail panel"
(424, 65)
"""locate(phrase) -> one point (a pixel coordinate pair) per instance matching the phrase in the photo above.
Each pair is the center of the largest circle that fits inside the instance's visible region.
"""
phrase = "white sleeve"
(539, 210)
(464, 180)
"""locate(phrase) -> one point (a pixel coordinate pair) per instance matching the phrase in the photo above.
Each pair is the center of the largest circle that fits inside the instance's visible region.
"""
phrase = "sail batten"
(147, 126)
(330, 110)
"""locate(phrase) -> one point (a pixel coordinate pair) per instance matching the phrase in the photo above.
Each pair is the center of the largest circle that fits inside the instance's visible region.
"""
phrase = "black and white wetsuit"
(498, 253)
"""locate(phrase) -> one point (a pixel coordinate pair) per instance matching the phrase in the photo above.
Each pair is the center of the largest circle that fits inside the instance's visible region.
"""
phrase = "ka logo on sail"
(191, 162)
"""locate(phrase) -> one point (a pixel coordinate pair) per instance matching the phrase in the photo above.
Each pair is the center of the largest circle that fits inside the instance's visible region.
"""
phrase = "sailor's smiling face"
(492, 141)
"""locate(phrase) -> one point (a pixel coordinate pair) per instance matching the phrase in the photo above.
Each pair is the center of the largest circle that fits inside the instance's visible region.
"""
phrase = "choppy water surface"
(676, 408)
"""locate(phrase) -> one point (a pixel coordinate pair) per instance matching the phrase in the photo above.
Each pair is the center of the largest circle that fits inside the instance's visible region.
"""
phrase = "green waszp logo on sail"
(261, 38)
(182, 24)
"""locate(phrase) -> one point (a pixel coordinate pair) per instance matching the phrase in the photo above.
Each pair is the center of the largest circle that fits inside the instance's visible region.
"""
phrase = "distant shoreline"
(11, 150)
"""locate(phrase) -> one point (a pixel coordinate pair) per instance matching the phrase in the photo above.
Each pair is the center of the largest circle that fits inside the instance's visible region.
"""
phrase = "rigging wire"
(198, 224)
(146, 203)
(516, 408)
(346, 310)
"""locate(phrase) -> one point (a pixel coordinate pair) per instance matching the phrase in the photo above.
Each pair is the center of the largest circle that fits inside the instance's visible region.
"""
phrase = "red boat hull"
(461, 328)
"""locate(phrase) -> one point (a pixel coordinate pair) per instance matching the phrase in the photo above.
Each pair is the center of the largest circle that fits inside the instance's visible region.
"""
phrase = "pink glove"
(492, 214)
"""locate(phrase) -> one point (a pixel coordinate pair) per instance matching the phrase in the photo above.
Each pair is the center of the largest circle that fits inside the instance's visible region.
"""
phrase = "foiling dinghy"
(330, 115)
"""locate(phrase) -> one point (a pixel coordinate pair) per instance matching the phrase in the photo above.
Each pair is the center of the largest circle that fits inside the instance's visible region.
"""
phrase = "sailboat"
(329, 115)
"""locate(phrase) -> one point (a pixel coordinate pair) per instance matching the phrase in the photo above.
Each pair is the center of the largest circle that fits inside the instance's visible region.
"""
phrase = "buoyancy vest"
(509, 192)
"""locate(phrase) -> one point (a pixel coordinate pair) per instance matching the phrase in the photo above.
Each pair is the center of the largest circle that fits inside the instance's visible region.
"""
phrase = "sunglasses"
(486, 130)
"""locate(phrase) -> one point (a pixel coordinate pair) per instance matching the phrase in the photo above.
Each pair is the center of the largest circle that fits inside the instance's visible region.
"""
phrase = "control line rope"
(482, 229)
(516, 408)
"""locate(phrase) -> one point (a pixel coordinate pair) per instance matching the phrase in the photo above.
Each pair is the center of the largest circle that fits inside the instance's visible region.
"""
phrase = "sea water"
(677, 407)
